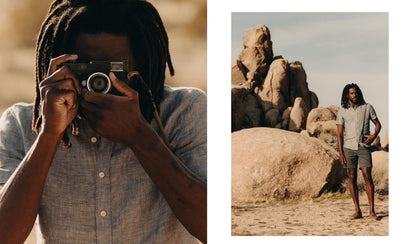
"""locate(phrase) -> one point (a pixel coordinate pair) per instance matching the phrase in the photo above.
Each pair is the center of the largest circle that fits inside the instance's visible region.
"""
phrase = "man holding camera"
(353, 142)
(115, 180)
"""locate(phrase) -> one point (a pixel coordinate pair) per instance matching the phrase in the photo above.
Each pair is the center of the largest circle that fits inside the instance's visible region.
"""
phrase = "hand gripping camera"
(93, 75)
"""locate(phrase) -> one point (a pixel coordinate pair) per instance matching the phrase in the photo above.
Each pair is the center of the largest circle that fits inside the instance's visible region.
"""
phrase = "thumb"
(121, 86)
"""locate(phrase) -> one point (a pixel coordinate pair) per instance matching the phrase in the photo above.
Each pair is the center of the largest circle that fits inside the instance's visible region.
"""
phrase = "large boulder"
(245, 111)
(272, 117)
(385, 142)
(257, 52)
(314, 99)
(298, 84)
(298, 115)
(272, 164)
(327, 132)
(238, 73)
(286, 118)
(321, 123)
(380, 171)
(318, 115)
(275, 90)
(334, 109)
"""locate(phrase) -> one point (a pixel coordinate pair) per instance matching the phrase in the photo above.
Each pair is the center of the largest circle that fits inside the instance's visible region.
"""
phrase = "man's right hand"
(59, 96)
(342, 159)
(20, 197)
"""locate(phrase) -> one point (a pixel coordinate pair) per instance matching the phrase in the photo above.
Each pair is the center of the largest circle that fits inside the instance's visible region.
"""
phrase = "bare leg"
(353, 188)
(366, 172)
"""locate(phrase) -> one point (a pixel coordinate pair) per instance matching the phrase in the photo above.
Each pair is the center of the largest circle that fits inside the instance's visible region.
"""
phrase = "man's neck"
(353, 105)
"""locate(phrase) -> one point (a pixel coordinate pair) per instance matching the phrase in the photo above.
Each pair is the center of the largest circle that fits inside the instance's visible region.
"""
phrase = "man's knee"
(366, 173)
(352, 175)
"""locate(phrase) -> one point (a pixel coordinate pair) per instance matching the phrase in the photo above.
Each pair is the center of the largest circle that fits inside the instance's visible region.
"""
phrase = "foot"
(373, 216)
(357, 215)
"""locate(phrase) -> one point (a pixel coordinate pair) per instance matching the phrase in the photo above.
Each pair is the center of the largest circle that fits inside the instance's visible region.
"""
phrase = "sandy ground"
(321, 217)
(325, 217)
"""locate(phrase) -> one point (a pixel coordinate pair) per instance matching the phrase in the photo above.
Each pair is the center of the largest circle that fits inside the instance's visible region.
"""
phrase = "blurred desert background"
(20, 20)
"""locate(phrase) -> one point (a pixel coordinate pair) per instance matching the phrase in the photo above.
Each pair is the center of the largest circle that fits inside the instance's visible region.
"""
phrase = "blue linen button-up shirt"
(97, 191)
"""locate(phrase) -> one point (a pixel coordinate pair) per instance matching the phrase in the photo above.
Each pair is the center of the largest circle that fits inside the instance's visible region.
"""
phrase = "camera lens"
(99, 82)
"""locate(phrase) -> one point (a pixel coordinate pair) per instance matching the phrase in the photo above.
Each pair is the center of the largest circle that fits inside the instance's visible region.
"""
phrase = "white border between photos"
(219, 114)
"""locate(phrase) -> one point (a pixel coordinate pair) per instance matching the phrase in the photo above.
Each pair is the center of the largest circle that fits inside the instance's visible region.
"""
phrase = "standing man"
(114, 180)
(353, 142)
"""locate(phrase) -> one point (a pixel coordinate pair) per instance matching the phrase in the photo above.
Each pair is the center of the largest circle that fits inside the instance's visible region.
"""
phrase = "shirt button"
(101, 174)
(103, 213)
(94, 139)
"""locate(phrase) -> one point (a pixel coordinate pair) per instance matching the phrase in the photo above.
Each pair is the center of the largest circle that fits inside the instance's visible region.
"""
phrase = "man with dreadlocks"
(353, 141)
(113, 180)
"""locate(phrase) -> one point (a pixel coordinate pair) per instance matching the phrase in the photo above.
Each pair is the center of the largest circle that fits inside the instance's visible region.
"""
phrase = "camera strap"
(363, 122)
(135, 76)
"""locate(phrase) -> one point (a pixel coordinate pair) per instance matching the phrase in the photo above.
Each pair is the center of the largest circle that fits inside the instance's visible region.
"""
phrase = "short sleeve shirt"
(354, 122)
(97, 191)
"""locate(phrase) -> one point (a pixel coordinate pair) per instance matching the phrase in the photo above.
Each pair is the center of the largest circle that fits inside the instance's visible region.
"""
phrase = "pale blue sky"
(334, 48)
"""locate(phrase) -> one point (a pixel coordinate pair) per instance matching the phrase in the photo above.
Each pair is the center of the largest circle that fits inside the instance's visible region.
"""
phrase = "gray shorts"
(362, 156)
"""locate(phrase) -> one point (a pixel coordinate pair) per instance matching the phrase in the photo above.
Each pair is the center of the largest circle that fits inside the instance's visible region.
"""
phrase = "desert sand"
(325, 216)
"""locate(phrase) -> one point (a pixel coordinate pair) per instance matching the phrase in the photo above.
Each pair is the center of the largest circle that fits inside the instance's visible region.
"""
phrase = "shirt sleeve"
(187, 130)
(372, 113)
(340, 117)
(11, 144)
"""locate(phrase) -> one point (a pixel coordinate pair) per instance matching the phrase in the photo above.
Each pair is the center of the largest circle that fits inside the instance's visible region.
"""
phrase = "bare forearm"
(184, 191)
(340, 143)
(340, 138)
(377, 128)
(20, 196)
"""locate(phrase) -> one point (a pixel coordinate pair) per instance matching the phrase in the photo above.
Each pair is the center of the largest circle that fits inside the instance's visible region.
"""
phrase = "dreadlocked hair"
(345, 93)
(137, 19)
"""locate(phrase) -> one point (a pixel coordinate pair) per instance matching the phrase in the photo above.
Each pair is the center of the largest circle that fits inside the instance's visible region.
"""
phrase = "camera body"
(363, 138)
(94, 74)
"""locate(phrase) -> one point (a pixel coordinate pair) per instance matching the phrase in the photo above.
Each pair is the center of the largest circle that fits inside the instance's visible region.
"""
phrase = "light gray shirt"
(354, 122)
(97, 191)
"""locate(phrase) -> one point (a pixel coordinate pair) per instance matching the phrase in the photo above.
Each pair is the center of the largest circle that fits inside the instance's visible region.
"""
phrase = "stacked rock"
(268, 91)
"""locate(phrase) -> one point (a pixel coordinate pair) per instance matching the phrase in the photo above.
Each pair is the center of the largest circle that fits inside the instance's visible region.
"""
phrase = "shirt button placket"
(94, 139)
(103, 191)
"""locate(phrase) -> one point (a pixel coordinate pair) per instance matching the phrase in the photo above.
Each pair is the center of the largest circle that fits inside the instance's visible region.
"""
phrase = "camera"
(94, 75)
(363, 138)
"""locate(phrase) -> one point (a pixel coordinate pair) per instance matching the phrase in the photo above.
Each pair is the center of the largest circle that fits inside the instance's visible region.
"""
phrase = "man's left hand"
(369, 139)
(117, 118)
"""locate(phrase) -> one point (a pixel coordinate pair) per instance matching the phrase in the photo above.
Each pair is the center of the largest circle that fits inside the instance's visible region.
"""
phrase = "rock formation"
(274, 91)
(298, 85)
(272, 164)
(321, 123)
(245, 110)
(273, 81)
(257, 52)
(238, 73)
(298, 115)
